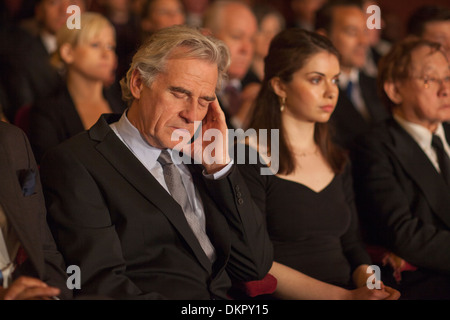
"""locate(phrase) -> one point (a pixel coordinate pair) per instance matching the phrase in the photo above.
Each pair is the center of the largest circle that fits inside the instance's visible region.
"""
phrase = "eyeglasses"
(433, 82)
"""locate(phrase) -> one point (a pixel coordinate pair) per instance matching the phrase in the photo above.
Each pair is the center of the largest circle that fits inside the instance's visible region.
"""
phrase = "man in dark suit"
(31, 267)
(402, 171)
(358, 106)
(116, 211)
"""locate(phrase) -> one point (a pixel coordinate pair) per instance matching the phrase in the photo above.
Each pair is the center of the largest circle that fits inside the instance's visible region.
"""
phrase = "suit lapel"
(419, 167)
(123, 160)
(71, 117)
(18, 215)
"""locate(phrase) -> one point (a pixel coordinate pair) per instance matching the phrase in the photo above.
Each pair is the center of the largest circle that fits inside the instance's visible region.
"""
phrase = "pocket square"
(27, 179)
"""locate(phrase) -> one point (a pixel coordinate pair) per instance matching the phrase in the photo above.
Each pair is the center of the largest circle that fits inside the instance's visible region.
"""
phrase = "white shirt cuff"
(219, 174)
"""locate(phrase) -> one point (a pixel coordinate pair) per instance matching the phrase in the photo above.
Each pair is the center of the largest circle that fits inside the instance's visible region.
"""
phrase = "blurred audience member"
(137, 7)
(235, 24)
(304, 12)
(378, 46)
(270, 23)
(126, 27)
(195, 10)
(358, 107)
(30, 74)
(87, 57)
(308, 200)
(432, 23)
(402, 171)
(158, 14)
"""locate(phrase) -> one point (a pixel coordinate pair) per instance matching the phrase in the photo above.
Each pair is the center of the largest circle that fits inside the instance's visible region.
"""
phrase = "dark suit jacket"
(55, 119)
(347, 122)
(30, 75)
(403, 201)
(23, 204)
(128, 235)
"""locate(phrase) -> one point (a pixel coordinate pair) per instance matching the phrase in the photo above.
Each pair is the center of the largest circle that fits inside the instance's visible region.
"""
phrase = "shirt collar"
(49, 42)
(344, 78)
(133, 139)
(419, 133)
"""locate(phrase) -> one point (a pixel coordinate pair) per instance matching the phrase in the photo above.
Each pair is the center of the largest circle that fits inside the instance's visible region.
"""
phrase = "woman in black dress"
(308, 201)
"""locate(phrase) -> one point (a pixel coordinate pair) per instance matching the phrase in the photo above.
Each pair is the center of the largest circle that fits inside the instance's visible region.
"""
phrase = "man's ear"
(391, 90)
(66, 53)
(278, 87)
(136, 84)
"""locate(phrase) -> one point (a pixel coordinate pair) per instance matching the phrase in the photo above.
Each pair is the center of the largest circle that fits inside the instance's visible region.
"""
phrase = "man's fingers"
(215, 112)
(22, 284)
(37, 293)
(394, 294)
(378, 294)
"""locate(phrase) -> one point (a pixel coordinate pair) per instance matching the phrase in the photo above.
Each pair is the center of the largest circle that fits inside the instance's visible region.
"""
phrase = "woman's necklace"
(306, 153)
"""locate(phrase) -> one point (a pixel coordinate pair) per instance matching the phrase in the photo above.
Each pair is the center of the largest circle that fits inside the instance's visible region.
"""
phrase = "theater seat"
(22, 119)
(253, 289)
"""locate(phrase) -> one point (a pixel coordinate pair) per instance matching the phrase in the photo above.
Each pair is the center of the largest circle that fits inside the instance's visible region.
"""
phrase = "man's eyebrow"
(189, 93)
(208, 98)
(180, 90)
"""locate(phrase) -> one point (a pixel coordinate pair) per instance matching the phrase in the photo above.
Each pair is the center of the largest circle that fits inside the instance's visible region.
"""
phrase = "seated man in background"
(24, 231)
(432, 23)
(358, 107)
(30, 75)
(234, 23)
(402, 170)
(138, 222)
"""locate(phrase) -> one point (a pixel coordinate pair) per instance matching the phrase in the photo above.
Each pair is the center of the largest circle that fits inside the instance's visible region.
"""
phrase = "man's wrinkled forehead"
(423, 60)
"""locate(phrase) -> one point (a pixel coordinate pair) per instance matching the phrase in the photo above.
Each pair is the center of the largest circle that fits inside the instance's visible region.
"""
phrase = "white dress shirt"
(423, 138)
(49, 42)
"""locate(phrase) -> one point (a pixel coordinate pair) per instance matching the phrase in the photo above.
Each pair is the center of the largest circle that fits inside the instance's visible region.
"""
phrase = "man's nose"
(190, 111)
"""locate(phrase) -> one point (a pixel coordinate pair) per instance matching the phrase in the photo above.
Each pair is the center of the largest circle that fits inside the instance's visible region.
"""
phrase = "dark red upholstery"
(22, 118)
(252, 289)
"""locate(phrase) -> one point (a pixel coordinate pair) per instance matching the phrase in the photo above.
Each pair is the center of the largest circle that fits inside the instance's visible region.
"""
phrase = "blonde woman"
(87, 59)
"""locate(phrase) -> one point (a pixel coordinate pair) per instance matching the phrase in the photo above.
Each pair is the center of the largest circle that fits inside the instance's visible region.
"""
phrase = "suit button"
(240, 201)
(237, 188)
(238, 194)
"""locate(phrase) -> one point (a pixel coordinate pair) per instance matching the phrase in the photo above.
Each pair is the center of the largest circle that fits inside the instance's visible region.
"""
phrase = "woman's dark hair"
(289, 51)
